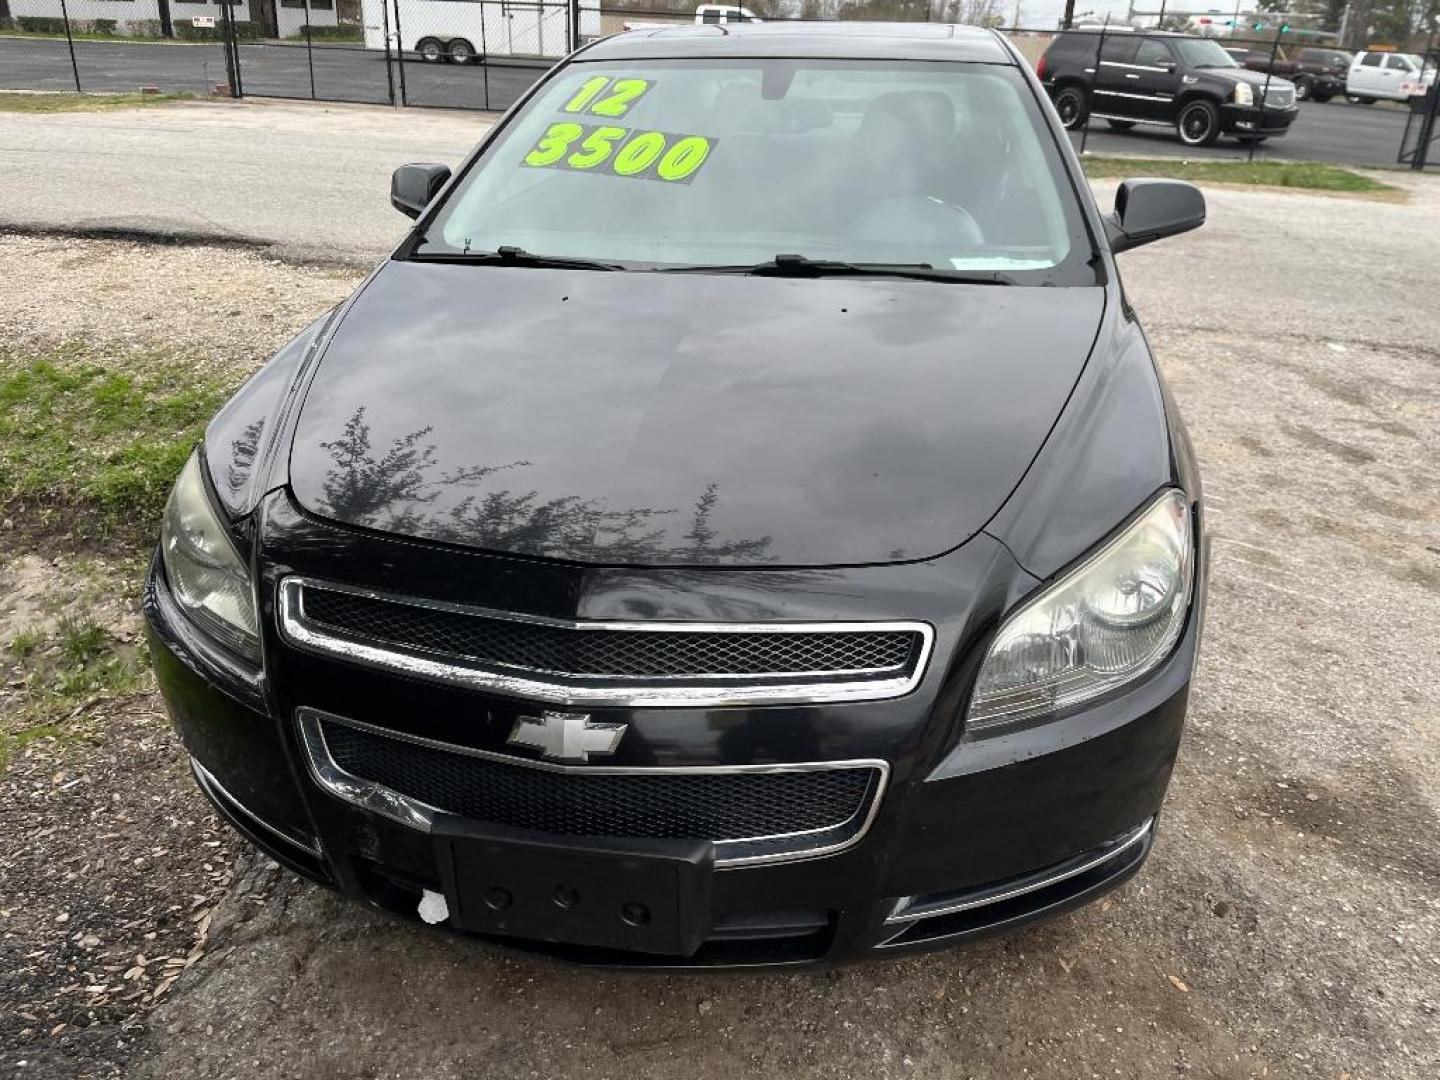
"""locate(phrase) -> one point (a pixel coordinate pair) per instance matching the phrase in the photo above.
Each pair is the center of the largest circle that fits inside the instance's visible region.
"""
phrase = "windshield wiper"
(803, 266)
(514, 256)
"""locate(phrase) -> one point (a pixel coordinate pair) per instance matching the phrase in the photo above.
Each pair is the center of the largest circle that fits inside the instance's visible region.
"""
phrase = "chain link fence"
(485, 54)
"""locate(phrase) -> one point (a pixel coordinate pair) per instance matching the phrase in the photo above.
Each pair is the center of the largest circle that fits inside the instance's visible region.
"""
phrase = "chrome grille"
(608, 653)
(606, 662)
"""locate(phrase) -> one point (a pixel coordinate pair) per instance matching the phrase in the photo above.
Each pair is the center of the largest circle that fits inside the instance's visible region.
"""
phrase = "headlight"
(207, 575)
(1110, 620)
(1244, 94)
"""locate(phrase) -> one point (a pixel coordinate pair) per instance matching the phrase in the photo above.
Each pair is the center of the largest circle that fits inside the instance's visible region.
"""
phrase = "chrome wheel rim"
(1068, 107)
(1194, 125)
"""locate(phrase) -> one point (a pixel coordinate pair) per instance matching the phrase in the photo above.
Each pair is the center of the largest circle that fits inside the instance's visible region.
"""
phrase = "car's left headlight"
(208, 577)
(1114, 617)
(1244, 94)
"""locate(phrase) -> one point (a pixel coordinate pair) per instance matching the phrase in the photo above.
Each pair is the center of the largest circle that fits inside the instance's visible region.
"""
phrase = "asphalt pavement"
(305, 181)
(267, 69)
(1335, 131)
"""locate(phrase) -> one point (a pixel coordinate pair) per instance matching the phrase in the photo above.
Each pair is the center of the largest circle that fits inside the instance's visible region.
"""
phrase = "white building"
(278, 18)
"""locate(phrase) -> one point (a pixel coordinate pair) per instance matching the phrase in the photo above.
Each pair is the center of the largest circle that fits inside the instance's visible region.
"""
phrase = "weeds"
(79, 434)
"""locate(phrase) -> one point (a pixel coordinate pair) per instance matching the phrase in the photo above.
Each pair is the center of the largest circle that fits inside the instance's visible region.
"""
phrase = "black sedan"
(742, 523)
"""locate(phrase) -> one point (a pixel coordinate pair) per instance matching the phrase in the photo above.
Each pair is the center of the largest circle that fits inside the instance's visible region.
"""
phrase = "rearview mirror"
(413, 186)
(1147, 210)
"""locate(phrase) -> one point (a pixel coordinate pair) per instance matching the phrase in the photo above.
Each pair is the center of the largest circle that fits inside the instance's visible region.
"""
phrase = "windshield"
(731, 162)
(1200, 53)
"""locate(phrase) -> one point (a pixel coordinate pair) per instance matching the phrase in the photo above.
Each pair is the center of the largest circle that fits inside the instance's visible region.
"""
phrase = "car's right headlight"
(207, 576)
(1244, 94)
(1114, 617)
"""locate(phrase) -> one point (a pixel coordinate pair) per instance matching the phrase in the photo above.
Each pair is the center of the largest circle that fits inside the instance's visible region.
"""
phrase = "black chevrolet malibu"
(741, 523)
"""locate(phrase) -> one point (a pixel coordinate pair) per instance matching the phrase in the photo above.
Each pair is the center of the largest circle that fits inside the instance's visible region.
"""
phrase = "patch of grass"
(101, 438)
(24, 643)
(62, 672)
(81, 640)
(18, 740)
(1308, 175)
(54, 103)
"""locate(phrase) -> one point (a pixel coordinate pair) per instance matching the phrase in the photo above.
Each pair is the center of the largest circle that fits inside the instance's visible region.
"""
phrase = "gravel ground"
(1288, 923)
(226, 306)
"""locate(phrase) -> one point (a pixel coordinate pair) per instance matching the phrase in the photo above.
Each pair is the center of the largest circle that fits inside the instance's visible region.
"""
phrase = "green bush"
(330, 33)
(143, 28)
(104, 26)
(37, 24)
(244, 31)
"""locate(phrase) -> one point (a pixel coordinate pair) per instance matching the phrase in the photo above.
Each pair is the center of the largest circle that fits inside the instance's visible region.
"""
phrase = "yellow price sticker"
(618, 151)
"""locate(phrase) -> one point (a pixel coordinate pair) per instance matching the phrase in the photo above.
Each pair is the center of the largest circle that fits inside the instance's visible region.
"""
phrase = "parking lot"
(1287, 924)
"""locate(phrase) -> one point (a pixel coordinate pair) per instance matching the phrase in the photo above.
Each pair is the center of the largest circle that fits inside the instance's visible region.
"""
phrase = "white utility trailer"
(460, 31)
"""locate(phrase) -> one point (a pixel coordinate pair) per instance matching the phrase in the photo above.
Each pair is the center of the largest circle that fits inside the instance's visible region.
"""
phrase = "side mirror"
(1147, 210)
(413, 186)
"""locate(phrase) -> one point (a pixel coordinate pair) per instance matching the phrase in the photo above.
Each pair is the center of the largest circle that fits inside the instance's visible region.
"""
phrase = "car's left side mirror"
(1147, 210)
(413, 186)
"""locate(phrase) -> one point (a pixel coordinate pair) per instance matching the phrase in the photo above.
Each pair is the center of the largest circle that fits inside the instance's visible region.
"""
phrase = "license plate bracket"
(648, 896)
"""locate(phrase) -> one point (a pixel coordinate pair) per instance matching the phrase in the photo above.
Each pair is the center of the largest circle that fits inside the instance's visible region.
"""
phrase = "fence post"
(1090, 90)
(574, 6)
(1264, 93)
(484, 57)
(70, 41)
(400, 47)
(309, 52)
(232, 51)
(385, 29)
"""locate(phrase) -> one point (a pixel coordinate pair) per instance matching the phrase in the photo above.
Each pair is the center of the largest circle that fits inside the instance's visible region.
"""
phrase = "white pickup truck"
(705, 14)
(1393, 75)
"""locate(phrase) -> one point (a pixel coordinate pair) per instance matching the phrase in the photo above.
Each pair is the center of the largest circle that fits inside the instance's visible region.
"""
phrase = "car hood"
(684, 419)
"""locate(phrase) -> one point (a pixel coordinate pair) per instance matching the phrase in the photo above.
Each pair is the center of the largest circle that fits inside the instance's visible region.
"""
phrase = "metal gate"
(1422, 129)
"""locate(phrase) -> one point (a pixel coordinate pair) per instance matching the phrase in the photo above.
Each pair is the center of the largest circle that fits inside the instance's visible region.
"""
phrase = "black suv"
(1189, 83)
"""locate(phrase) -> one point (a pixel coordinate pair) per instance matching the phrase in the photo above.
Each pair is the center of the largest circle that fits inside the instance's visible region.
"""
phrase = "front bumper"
(973, 836)
(1252, 120)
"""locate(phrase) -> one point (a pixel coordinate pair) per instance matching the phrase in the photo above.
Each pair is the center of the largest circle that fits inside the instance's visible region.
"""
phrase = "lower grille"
(750, 814)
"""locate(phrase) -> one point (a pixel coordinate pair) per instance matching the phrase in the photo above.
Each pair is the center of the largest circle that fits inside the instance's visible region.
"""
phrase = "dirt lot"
(1288, 923)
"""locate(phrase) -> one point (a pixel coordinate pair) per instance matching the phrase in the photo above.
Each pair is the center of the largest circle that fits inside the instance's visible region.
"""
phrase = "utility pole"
(1069, 18)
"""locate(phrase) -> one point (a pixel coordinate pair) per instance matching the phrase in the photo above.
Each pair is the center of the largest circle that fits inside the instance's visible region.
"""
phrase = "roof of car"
(842, 40)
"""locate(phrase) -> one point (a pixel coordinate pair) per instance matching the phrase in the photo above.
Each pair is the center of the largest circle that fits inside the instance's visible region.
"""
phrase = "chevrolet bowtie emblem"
(566, 736)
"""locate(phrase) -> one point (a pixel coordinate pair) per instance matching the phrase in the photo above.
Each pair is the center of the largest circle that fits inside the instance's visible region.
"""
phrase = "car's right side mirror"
(1147, 210)
(413, 186)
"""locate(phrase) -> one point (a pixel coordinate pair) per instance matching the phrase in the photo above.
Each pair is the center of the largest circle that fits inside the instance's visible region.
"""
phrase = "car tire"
(1198, 123)
(1356, 99)
(1070, 104)
(461, 52)
(1304, 88)
(1121, 125)
(431, 50)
